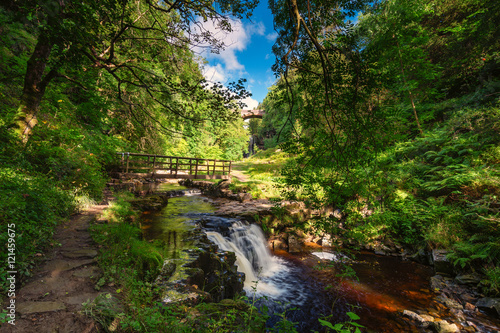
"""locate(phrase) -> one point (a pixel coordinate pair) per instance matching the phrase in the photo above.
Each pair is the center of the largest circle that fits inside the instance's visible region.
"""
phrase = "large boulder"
(441, 264)
(489, 305)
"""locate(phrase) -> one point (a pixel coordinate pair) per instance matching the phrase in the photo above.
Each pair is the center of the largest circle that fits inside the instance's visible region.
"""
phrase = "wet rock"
(471, 327)
(449, 303)
(422, 257)
(441, 264)
(278, 244)
(470, 307)
(26, 308)
(201, 267)
(489, 305)
(427, 317)
(168, 269)
(443, 326)
(437, 283)
(416, 318)
(468, 279)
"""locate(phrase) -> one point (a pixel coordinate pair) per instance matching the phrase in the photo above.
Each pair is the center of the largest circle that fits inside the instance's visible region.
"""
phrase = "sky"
(248, 55)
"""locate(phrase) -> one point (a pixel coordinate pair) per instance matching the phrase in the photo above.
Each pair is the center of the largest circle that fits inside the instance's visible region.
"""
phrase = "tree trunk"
(35, 84)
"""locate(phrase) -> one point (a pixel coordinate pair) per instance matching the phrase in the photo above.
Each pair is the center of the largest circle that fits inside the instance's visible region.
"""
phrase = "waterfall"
(252, 255)
(251, 143)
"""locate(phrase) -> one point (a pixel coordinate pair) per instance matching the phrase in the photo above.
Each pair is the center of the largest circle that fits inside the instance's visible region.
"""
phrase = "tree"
(396, 37)
(123, 39)
(331, 96)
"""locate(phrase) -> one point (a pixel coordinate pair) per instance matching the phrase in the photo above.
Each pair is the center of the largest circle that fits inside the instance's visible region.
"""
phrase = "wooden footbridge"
(135, 165)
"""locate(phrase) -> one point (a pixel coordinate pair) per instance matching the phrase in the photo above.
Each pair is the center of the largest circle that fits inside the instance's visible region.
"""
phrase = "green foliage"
(347, 327)
(31, 206)
(491, 284)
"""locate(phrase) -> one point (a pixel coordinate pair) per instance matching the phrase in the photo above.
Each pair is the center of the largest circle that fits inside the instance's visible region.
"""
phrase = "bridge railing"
(161, 166)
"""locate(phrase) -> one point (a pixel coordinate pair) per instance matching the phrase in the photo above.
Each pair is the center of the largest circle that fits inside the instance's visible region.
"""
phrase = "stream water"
(309, 285)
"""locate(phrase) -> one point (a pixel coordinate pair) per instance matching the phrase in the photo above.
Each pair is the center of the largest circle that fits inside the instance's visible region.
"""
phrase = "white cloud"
(272, 36)
(256, 29)
(214, 73)
(234, 41)
(225, 66)
(251, 103)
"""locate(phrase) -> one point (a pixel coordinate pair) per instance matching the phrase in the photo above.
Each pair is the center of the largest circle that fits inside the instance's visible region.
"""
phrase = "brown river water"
(309, 285)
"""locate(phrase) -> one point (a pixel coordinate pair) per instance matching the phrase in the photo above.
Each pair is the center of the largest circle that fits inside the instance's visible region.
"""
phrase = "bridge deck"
(135, 165)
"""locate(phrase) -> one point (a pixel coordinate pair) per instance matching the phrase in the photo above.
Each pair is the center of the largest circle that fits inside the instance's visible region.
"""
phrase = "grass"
(258, 174)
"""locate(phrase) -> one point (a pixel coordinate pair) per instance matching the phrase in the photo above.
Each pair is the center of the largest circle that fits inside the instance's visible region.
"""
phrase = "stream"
(313, 284)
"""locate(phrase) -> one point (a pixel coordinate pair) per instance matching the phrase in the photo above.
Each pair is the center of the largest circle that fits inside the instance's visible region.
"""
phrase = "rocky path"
(52, 299)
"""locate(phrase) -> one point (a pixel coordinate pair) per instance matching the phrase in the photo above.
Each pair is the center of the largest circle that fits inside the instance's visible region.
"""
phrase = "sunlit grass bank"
(259, 174)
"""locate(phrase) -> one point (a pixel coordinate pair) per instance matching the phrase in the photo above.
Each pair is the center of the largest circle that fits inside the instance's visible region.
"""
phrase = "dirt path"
(239, 175)
(52, 299)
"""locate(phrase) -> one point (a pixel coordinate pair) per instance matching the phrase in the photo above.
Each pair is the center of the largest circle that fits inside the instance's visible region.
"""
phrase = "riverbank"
(458, 303)
(128, 295)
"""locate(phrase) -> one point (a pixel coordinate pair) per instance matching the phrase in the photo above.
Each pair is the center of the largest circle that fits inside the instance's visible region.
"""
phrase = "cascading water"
(249, 244)
(269, 280)
(385, 287)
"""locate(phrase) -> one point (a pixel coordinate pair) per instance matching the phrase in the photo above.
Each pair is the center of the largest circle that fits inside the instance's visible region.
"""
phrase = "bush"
(34, 205)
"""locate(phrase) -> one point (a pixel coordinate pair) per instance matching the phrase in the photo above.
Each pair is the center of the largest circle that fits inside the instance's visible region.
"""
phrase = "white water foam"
(252, 258)
(337, 257)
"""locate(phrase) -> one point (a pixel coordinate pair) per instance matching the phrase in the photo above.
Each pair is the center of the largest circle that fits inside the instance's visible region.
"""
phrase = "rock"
(75, 253)
(469, 307)
(419, 320)
(243, 197)
(88, 272)
(326, 241)
(469, 279)
(443, 326)
(26, 308)
(471, 327)
(449, 303)
(294, 244)
(427, 318)
(490, 305)
(63, 265)
(441, 263)
(168, 269)
(437, 283)
(422, 257)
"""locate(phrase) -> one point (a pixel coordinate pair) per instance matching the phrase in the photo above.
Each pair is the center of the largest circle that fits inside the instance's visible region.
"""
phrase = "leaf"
(353, 316)
(327, 324)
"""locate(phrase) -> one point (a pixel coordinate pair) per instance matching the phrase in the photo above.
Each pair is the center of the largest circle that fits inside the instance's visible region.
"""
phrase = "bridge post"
(154, 167)
(128, 156)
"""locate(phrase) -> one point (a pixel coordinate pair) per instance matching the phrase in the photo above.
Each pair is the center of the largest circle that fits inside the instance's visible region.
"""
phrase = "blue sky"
(248, 54)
